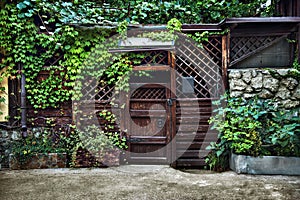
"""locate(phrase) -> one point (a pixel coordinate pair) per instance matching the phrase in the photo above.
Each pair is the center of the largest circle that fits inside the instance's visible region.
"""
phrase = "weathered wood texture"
(256, 39)
(148, 122)
(59, 117)
(193, 134)
(185, 122)
(288, 8)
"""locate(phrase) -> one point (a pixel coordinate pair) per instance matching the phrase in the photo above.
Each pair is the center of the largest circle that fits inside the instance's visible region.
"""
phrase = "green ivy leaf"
(21, 6)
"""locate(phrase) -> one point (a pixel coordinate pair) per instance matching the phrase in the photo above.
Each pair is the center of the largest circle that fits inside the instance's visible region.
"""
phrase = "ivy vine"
(52, 40)
(56, 43)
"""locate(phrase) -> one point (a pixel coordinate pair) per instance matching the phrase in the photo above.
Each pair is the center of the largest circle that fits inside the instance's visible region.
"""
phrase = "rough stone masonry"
(282, 85)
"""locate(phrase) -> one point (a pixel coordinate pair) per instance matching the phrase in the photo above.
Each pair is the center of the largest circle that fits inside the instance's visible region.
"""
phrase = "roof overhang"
(261, 25)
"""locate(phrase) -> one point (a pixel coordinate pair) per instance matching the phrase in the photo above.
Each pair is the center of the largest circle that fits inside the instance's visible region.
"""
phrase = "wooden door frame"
(171, 116)
(172, 64)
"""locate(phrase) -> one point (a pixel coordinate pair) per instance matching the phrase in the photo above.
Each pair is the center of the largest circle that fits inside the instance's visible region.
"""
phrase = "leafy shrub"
(97, 143)
(44, 140)
(281, 133)
(96, 140)
(253, 127)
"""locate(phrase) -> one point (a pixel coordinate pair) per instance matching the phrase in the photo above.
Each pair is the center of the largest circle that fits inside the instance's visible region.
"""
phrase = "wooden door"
(149, 125)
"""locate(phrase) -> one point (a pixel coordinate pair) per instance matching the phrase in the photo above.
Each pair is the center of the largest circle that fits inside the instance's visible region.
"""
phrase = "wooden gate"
(168, 112)
(150, 112)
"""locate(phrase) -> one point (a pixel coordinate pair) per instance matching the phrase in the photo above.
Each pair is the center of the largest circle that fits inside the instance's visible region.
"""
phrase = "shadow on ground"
(143, 182)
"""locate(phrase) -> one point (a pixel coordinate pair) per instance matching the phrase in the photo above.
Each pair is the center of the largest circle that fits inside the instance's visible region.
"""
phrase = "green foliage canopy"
(44, 35)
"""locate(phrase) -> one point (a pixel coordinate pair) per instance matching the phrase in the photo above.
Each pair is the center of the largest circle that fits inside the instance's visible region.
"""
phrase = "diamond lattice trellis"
(245, 46)
(214, 48)
(197, 63)
(97, 91)
(191, 61)
(155, 57)
(149, 93)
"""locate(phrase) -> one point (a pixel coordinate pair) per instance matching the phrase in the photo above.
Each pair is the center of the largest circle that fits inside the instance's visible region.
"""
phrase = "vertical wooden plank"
(123, 105)
(225, 58)
(298, 38)
(173, 108)
(297, 7)
(288, 8)
(169, 58)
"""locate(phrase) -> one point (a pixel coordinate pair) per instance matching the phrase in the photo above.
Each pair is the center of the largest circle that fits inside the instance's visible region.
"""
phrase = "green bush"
(253, 127)
(43, 140)
(95, 140)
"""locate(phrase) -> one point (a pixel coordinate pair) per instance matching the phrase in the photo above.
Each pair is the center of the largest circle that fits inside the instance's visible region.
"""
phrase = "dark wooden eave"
(231, 23)
(200, 27)
(261, 25)
(260, 20)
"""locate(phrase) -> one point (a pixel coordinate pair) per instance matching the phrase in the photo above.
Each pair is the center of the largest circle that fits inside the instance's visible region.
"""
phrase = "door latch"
(170, 101)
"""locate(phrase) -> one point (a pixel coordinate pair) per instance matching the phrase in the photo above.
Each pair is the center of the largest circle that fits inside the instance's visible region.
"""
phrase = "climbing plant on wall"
(54, 38)
(53, 42)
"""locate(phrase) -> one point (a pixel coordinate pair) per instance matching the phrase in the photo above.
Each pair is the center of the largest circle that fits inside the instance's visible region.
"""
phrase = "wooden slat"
(149, 100)
(225, 59)
(188, 154)
(152, 68)
(190, 127)
(190, 162)
(148, 160)
(193, 145)
(172, 117)
(153, 142)
(148, 85)
(199, 136)
(147, 113)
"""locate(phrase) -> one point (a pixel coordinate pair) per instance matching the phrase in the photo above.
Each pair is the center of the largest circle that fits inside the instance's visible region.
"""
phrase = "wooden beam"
(173, 149)
(225, 58)
(152, 68)
(125, 123)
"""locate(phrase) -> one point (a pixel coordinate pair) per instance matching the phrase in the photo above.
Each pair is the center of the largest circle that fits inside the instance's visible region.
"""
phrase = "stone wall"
(7, 137)
(5, 142)
(282, 85)
(40, 161)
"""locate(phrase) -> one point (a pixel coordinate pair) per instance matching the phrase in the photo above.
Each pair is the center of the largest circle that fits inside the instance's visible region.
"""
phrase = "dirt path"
(143, 182)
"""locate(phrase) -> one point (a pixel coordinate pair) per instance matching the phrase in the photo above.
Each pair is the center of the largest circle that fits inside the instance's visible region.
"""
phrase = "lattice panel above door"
(149, 93)
(155, 57)
(242, 47)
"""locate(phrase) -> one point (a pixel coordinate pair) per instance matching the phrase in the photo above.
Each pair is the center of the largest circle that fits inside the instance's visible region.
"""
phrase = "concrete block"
(282, 165)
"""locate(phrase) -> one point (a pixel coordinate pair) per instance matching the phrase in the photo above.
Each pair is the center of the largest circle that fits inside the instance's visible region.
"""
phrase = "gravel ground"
(143, 182)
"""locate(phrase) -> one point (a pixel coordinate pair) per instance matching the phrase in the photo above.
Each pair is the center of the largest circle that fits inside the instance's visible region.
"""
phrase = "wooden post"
(225, 58)
(298, 38)
(23, 103)
(123, 104)
(173, 109)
